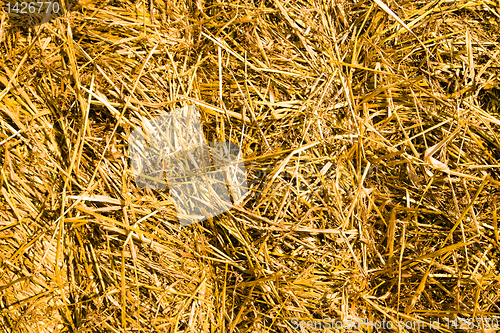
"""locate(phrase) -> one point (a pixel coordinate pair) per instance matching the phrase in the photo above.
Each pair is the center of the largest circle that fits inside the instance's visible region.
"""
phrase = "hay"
(369, 131)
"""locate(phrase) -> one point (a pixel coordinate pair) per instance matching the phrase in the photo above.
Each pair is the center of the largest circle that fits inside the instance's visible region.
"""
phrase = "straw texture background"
(370, 134)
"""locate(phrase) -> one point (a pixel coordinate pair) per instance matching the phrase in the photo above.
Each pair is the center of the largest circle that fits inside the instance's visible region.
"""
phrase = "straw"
(368, 131)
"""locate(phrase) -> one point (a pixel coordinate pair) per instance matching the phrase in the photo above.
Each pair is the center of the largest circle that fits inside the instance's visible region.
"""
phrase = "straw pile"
(369, 132)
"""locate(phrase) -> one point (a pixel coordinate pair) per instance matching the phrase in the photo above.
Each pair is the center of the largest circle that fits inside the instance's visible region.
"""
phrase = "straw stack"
(374, 125)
